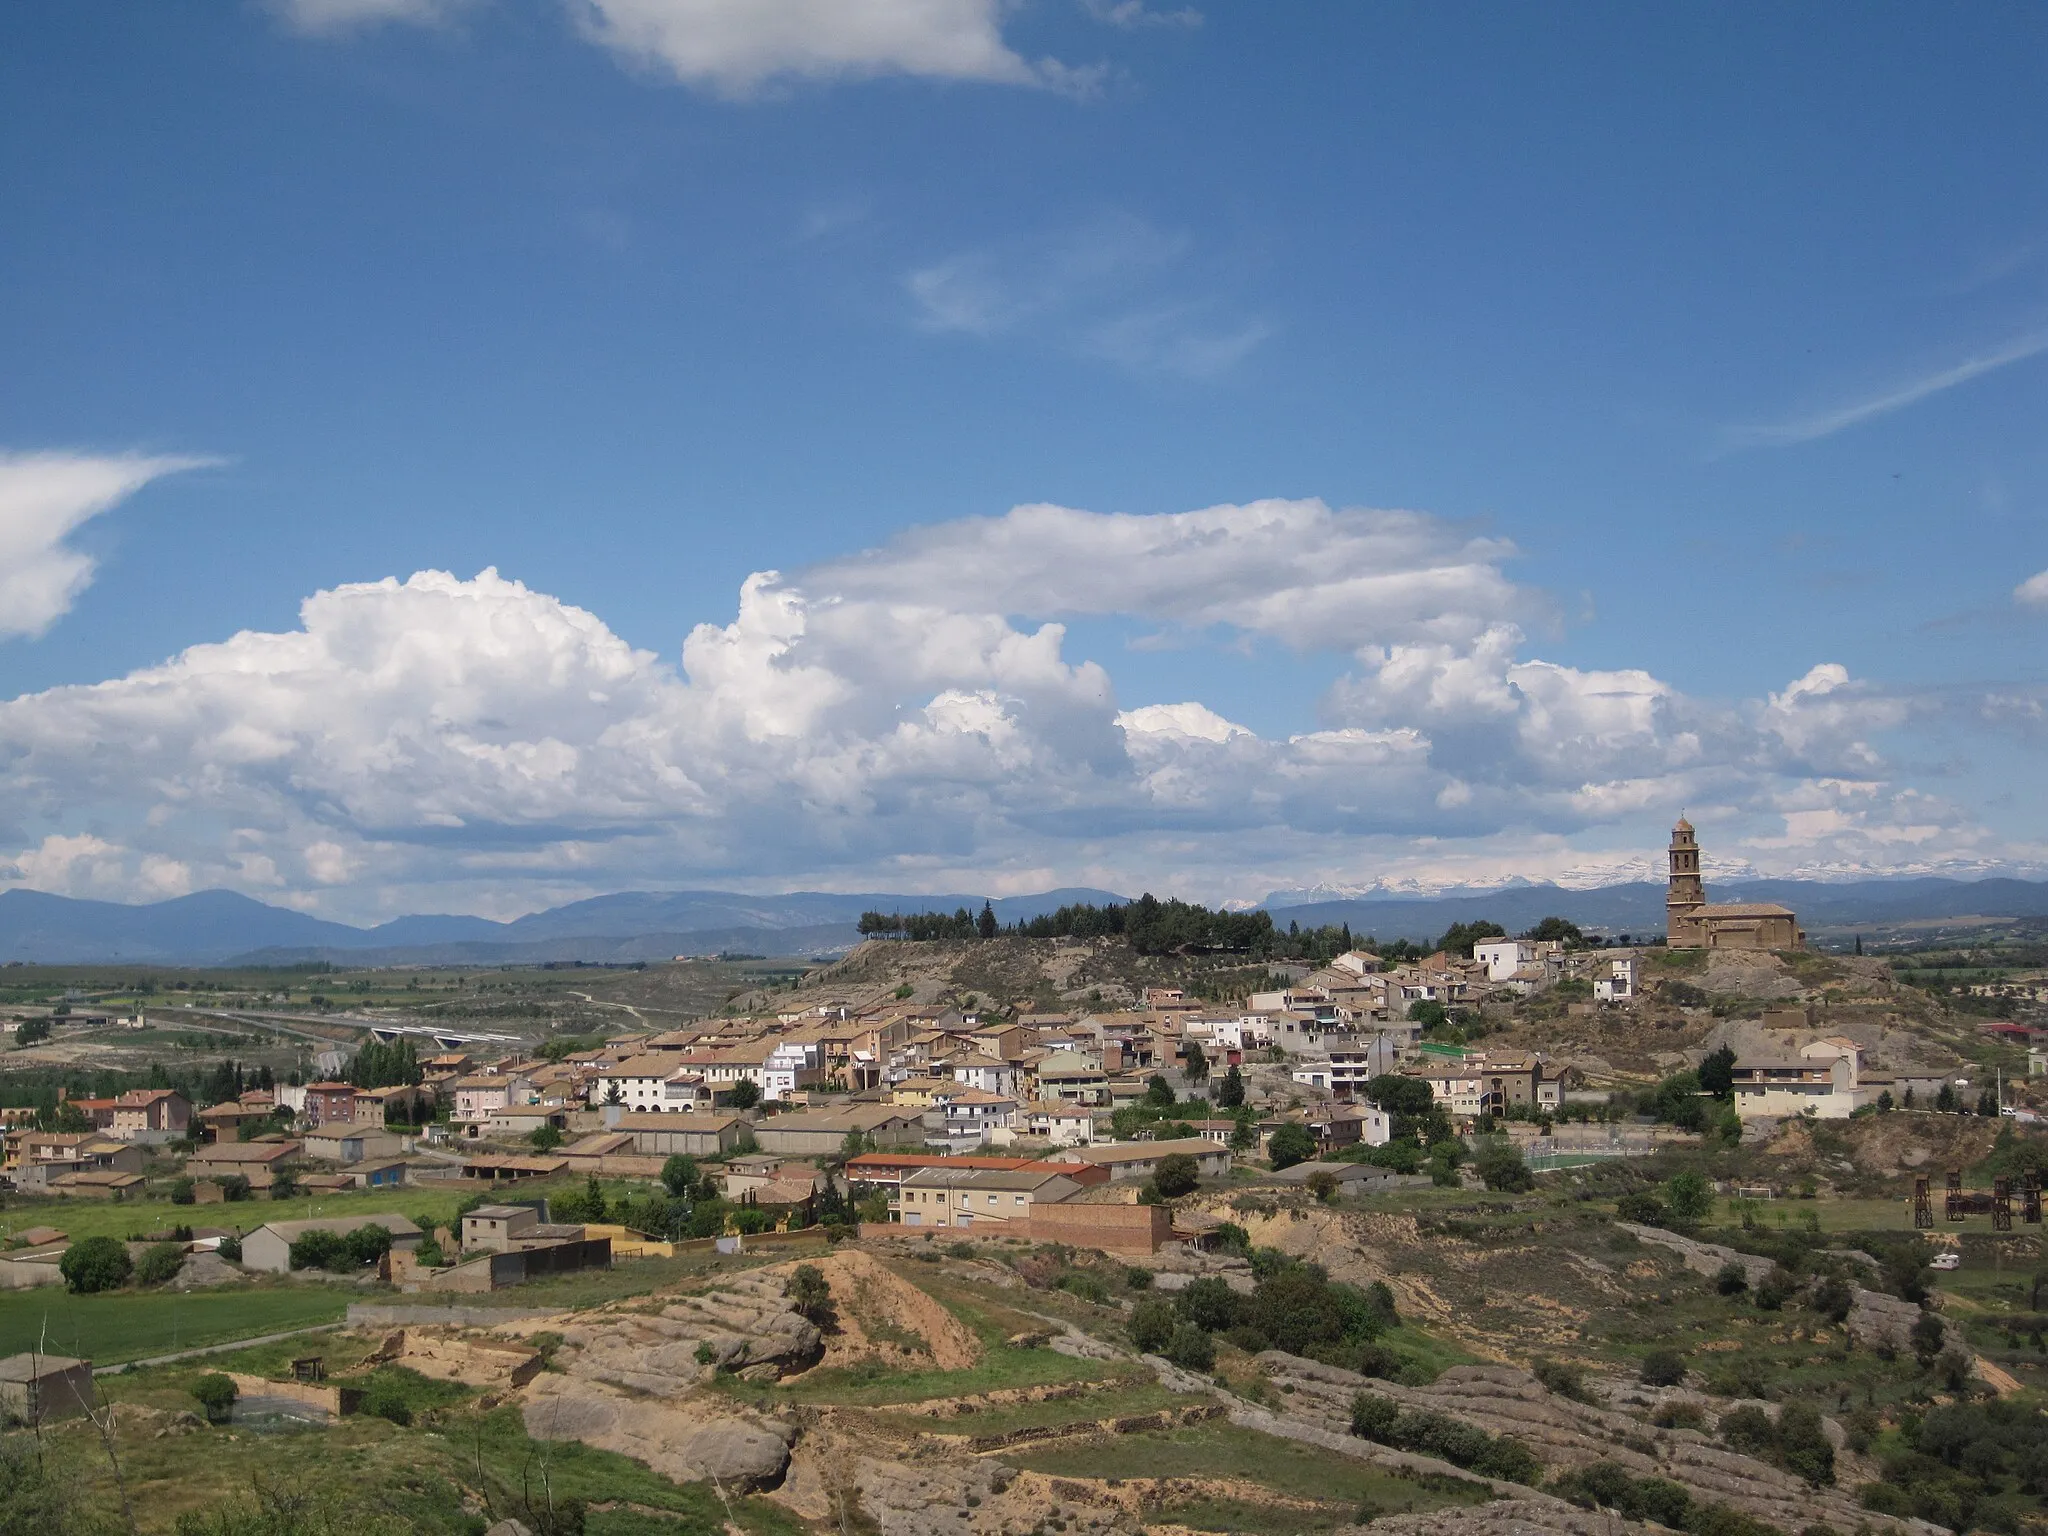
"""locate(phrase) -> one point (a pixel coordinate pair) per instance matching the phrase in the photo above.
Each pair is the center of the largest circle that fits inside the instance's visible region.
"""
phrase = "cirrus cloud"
(44, 499)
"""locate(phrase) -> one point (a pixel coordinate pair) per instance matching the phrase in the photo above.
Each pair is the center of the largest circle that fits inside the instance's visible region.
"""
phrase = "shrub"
(1323, 1185)
(1832, 1298)
(1779, 1287)
(1079, 1282)
(1663, 1368)
(1500, 1167)
(284, 1184)
(182, 1192)
(1289, 1145)
(234, 1187)
(160, 1262)
(1742, 1376)
(809, 1292)
(1689, 1197)
(231, 1248)
(1563, 1378)
(386, 1399)
(1137, 1277)
(216, 1394)
(1190, 1348)
(1429, 1433)
(1210, 1304)
(1731, 1279)
(339, 1252)
(1927, 1338)
(1803, 1447)
(95, 1264)
(1177, 1175)
(1642, 1208)
(1749, 1430)
(1151, 1324)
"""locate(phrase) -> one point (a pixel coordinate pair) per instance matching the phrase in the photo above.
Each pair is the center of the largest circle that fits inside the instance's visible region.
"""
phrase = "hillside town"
(867, 1104)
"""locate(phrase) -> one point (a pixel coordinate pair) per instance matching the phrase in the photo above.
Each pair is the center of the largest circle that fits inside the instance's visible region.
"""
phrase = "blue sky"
(1708, 348)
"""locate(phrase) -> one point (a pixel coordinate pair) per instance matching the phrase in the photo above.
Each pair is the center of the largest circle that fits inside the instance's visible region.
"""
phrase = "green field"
(132, 1325)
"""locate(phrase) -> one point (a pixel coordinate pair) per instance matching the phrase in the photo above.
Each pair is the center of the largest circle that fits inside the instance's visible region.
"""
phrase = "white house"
(1824, 1085)
(1503, 957)
(651, 1084)
(1064, 1125)
(1622, 981)
(985, 1073)
(1348, 1063)
(972, 1116)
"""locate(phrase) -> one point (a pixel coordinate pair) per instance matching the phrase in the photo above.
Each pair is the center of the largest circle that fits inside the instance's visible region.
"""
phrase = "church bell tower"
(1687, 895)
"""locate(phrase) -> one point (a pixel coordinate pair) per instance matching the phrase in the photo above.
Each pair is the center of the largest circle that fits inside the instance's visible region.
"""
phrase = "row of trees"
(1155, 927)
(378, 1065)
(1148, 925)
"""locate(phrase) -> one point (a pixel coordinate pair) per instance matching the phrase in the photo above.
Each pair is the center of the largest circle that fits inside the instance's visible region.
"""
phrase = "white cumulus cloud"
(912, 714)
(2033, 591)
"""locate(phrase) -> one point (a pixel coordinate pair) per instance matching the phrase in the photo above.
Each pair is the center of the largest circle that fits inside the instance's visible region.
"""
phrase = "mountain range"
(222, 927)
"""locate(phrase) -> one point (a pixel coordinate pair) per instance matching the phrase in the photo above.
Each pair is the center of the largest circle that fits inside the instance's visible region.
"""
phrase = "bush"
(182, 1192)
(1749, 1430)
(1210, 1304)
(216, 1394)
(1500, 1167)
(1927, 1338)
(1137, 1278)
(809, 1293)
(1383, 1421)
(160, 1262)
(234, 1188)
(1289, 1145)
(1079, 1282)
(284, 1184)
(1779, 1287)
(1743, 1376)
(1177, 1175)
(1564, 1379)
(1803, 1447)
(1663, 1368)
(1731, 1279)
(339, 1252)
(1190, 1348)
(1323, 1185)
(1832, 1298)
(1642, 1208)
(1151, 1324)
(94, 1264)
(231, 1248)
(386, 1399)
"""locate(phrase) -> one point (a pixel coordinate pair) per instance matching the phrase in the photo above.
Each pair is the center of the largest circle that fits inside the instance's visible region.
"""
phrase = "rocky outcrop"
(683, 1439)
(1504, 1401)
(691, 1339)
(1875, 1318)
(1504, 1517)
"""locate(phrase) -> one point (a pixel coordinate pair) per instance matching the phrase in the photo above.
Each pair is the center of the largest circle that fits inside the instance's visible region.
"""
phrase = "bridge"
(382, 1029)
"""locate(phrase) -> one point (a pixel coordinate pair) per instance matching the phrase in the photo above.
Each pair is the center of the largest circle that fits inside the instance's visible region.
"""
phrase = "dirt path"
(214, 1349)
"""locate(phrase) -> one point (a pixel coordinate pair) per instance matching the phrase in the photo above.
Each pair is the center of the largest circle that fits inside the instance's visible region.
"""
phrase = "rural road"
(213, 1349)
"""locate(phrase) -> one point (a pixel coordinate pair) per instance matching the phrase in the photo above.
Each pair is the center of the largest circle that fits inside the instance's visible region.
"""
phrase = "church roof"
(1683, 825)
(1743, 909)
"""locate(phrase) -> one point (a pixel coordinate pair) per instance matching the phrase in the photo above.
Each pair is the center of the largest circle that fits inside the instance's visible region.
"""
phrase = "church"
(1692, 922)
